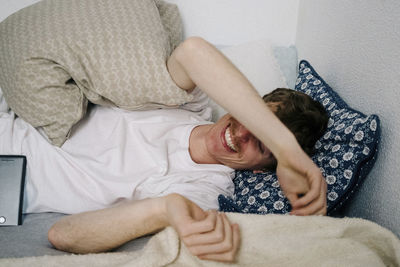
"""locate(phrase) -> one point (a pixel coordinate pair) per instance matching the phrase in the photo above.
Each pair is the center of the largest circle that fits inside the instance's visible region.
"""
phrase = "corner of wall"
(353, 45)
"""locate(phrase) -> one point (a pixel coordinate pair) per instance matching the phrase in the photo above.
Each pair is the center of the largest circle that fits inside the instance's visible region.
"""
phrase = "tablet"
(12, 181)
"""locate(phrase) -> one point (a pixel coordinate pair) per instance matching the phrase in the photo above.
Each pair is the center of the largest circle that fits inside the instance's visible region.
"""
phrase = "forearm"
(196, 62)
(105, 229)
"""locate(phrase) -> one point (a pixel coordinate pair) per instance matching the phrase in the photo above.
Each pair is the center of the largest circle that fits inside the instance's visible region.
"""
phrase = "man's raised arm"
(196, 62)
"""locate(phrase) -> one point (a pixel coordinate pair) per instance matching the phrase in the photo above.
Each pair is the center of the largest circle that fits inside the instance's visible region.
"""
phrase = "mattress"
(30, 239)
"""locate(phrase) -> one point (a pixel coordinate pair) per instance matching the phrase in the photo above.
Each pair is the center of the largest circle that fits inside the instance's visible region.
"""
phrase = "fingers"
(315, 180)
(215, 236)
(292, 197)
(221, 244)
(211, 247)
(228, 256)
(317, 207)
(195, 227)
(206, 234)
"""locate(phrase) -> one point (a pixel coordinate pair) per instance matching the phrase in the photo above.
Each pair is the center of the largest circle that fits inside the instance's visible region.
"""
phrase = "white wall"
(223, 22)
(354, 45)
(7, 7)
(243, 20)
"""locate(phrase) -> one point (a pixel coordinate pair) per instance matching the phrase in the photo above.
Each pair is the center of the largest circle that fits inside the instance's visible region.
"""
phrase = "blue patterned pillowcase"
(345, 155)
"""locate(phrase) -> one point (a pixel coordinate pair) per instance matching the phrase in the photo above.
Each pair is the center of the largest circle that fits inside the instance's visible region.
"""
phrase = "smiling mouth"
(228, 139)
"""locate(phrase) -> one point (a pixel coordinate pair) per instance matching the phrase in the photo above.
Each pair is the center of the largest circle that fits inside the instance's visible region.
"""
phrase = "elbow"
(58, 239)
(192, 47)
(195, 43)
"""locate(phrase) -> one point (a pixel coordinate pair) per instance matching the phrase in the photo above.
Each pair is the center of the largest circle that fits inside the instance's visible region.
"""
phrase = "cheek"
(247, 161)
(250, 154)
(254, 159)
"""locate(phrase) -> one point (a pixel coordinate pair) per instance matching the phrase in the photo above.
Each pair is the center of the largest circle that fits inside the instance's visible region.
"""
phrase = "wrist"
(285, 146)
(160, 210)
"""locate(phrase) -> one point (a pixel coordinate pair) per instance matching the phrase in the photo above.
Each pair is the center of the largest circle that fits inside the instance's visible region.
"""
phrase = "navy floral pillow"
(345, 155)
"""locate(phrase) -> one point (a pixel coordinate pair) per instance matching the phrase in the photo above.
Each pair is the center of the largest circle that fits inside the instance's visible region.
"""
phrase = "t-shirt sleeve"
(199, 105)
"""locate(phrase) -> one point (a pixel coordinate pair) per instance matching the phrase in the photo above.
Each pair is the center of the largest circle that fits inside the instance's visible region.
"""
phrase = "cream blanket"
(267, 240)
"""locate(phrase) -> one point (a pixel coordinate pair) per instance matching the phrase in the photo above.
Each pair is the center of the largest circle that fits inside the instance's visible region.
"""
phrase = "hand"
(302, 182)
(208, 235)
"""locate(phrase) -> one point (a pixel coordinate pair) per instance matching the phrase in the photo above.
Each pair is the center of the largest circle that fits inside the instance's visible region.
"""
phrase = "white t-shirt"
(114, 155)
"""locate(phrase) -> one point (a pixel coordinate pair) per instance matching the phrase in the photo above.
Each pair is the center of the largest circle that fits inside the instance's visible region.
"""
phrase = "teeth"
(229, 139)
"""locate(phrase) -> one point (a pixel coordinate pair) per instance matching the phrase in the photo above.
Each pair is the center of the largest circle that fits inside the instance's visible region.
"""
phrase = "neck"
(197, 145)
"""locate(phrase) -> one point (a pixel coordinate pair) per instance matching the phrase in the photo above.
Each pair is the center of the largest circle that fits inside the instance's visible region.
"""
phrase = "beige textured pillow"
(56, 55)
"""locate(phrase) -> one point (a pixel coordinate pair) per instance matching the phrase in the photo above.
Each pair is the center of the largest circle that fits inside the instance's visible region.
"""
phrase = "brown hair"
(305, 117)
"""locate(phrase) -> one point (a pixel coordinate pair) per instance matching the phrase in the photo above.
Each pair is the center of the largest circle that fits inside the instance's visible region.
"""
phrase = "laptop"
(12, 181)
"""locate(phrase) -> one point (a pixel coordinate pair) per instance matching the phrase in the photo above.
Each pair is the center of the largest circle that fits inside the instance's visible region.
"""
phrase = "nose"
(243, 134)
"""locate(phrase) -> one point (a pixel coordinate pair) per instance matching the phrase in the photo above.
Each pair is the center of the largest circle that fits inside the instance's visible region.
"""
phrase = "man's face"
(231, 144)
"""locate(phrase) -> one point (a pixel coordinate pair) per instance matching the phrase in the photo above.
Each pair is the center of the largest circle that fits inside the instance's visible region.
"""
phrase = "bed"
(281, 34)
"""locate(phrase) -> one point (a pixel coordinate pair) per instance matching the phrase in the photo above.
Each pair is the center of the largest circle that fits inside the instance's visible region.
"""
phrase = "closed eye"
(261, 147)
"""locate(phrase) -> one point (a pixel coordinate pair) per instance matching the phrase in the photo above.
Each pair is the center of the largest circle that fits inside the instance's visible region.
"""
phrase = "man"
(255, 139)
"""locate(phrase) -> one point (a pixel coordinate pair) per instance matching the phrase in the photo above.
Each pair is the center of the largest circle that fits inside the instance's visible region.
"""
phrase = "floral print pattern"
(345, 155)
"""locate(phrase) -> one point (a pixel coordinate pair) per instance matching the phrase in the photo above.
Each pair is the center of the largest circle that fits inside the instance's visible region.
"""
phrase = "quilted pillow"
(345, 155)
(57, 55)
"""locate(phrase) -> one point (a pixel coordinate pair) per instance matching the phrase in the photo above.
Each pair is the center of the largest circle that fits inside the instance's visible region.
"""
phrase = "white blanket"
(267, 240)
